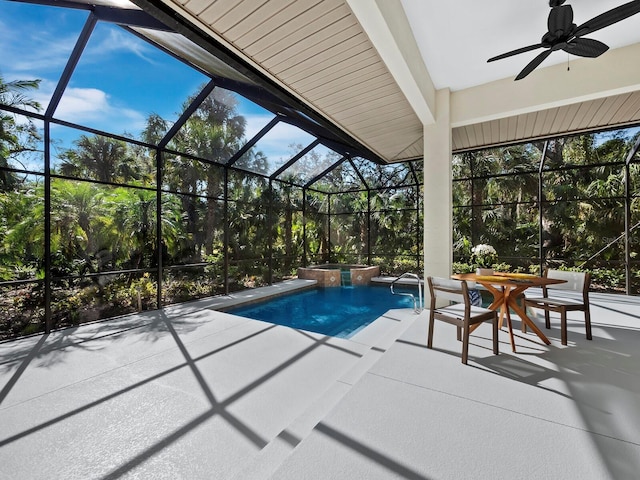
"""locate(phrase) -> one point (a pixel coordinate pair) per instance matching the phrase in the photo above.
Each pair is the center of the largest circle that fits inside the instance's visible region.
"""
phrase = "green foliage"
(72, 304)
(461, 267)
(534, 270)
(14, 93)
(18, 271)
(143, 292)
(502, 267)
(608, 278)
(395, 266)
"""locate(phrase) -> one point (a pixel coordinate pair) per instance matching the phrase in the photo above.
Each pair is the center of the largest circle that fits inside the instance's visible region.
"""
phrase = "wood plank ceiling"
(615, 111)
(320, 53)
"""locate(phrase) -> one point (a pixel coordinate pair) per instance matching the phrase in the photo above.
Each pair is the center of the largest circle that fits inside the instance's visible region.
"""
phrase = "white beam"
(614, 73)
(386, 25)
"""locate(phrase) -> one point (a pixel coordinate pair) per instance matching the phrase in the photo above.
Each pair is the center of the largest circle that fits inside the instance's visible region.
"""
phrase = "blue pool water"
(338, 312)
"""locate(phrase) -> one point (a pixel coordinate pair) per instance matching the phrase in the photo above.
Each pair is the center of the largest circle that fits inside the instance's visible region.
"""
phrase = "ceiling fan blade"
(608, 18)
(533, 64)
(586, 47)
(516, 52)
(560, 20)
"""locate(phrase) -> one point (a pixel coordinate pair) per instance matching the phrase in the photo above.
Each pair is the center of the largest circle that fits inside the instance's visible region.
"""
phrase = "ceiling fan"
(565, 35)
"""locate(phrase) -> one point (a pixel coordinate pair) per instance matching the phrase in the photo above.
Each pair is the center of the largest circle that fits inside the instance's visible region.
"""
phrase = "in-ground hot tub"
(335, 275)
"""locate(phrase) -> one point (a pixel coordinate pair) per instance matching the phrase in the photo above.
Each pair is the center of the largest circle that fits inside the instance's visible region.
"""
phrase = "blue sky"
(119, 80)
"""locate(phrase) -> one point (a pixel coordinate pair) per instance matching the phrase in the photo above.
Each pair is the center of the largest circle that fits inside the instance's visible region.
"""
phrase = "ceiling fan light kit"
(565, 35)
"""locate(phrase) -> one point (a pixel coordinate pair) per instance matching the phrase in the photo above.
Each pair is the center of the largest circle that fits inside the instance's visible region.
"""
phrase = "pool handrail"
(417, 308)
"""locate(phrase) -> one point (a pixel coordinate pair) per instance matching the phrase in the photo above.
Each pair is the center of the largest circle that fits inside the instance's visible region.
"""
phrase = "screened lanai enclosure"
(139, 169)
(570, 203)
(142, 167)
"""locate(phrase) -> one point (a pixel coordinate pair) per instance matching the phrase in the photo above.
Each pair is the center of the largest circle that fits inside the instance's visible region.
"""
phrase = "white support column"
(385, 23)
(438, 215)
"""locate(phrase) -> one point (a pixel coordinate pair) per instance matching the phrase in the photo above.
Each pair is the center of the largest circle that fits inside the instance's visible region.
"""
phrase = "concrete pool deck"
(193, 393)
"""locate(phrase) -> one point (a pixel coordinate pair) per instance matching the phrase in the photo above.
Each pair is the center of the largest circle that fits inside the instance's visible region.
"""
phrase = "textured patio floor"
(191, 393)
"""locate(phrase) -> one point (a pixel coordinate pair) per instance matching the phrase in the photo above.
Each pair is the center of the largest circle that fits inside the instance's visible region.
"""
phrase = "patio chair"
(459, 313)
(553, 300)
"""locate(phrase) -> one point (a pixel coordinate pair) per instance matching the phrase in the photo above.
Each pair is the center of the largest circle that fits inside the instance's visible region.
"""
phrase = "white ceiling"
(457, 37)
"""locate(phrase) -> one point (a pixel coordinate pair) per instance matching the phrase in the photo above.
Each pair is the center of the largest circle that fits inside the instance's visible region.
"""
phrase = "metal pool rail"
(417, 307)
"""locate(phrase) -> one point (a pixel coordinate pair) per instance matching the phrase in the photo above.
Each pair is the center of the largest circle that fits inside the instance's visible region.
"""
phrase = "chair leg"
(510, 328)
(465, 343)
(430, 334)
(547, 322)
(563, 326)
(495, 335)
(458, 333)
(587, 322)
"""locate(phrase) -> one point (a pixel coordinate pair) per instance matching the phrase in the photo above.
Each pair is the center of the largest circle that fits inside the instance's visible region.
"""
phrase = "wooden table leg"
(522, 314)
(510, 328)
(506, 295)
(498, 298)
(505, 299)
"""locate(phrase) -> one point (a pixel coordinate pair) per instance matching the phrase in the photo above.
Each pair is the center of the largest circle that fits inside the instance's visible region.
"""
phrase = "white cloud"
(33, 51)
(117, 41)
(82, 104)
(92, 107)
(37, 53)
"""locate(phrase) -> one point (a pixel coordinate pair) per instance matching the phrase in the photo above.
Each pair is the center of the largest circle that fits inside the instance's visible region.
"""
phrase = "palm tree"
(15, 138)
(101, 158)
(134, 214)
(22, 227)
(82, 227)
(13, 93)
(215, 131)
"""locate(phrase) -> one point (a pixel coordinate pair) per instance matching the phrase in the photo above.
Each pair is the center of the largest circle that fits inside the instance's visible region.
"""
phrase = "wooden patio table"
(506, 288)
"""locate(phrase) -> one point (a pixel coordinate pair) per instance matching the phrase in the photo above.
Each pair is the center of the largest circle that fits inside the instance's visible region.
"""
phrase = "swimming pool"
(337, 312)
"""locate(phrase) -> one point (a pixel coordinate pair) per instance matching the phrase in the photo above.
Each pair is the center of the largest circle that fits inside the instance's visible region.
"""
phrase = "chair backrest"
(575, 281)
(445, 288)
